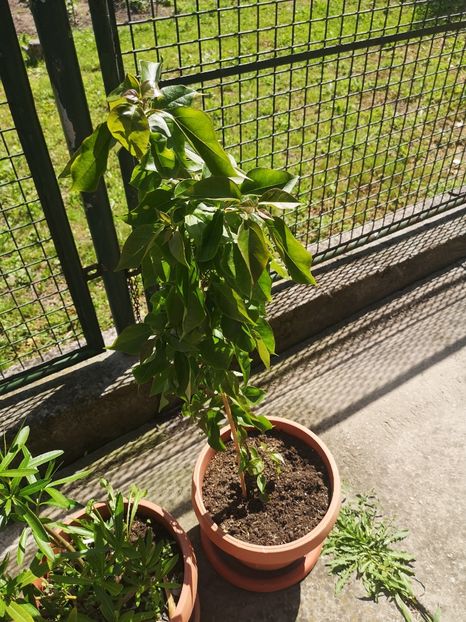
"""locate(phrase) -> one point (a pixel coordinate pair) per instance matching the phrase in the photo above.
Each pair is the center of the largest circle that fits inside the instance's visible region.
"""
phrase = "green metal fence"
(365, 101)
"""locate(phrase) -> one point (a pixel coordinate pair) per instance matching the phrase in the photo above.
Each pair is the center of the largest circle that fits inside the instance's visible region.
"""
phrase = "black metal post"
(19, 96)
(53, 28)
(111, 64)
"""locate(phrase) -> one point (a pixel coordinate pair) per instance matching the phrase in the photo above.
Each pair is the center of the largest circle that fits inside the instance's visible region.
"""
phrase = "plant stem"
(170, 601)
(59, 541)
(234, 436)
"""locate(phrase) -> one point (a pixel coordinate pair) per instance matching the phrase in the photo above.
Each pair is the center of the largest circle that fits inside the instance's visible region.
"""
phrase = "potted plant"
(125, 559)
(206, 237)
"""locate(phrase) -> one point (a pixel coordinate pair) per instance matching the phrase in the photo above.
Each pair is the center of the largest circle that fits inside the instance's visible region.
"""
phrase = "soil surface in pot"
(298, 495)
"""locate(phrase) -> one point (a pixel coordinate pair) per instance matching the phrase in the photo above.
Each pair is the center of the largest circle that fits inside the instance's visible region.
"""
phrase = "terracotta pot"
(265, 568)
(187, 607)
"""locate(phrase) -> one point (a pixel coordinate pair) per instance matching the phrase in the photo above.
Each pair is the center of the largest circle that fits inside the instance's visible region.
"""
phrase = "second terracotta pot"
(265, 568)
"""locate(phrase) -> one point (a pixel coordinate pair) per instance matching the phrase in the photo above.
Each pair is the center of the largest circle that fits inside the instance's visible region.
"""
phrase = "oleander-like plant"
(94, 569)
(206, 237)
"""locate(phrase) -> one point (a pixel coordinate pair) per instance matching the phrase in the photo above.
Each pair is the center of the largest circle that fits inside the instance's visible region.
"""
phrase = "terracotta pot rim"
(324, 525)
(188, 594)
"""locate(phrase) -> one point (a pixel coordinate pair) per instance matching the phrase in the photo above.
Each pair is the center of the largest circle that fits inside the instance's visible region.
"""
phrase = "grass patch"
(361, 545)
(368, 131)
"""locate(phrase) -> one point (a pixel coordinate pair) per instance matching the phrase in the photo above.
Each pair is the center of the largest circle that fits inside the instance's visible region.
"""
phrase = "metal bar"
(290, 59)
(19, 96)
(53, 28)
(111, 65)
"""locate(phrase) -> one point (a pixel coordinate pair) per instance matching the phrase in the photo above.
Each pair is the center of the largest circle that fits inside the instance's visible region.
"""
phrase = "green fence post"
(53, 28)
(111, 65)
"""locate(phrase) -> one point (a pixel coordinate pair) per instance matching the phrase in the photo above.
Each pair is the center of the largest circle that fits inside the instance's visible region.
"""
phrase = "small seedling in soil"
(362, 543)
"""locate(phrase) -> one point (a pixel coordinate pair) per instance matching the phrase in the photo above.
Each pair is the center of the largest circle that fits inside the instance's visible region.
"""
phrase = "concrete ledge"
(364, 276)
(96, 401)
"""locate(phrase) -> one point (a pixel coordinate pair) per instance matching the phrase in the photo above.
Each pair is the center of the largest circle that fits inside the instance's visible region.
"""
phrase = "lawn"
(367, 131)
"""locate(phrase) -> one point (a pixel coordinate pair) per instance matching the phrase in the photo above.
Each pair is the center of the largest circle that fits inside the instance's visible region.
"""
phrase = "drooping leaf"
(177, 248)
(229, 302)
(182, 371)
(211, 237)
(295, 257)
(194, 311)
(199, 130)
(131, 339)
(174, 307)
(258, 252)
(263, 352)
(89, 161)
(266, 333)
(137, 244)
(129, 126)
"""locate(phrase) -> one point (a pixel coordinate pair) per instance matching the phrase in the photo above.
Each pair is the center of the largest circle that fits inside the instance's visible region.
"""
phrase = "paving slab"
(386, 390)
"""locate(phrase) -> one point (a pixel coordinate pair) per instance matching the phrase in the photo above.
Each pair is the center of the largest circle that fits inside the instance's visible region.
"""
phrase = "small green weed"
(362, 543)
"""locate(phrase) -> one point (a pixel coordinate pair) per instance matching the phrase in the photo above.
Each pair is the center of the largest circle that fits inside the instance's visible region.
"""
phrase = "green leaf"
(264, 285)
(261, 483)
(46, 457)
(261, 179)
(136, 246)
(38, 531)
(279, 199)
(194, 312)
(182, 371)
(211, 237)
(59, 499)
(130, 83)
(22, 542)
(266, 333)
(229, 302)
(295, 257)
(175, 308)
(263, 352)
(18, 612)
(217, 355)
(129, 126)
(21, 438)
(258, 252)
(147, 210)
(151, 72)
(131, 339)
(176, 95)
(214, 187)
(199, 130)
(17, 472)
(177, 249)
(89, 161)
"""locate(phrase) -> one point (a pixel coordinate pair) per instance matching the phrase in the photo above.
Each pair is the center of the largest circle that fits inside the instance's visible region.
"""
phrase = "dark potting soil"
(297, 497)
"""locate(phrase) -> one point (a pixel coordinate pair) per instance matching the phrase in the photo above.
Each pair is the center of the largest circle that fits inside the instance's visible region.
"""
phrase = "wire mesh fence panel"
(363, 101)
(38, 320)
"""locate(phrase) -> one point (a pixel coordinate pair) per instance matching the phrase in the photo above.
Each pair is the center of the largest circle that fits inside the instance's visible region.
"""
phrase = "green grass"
(367, 132)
